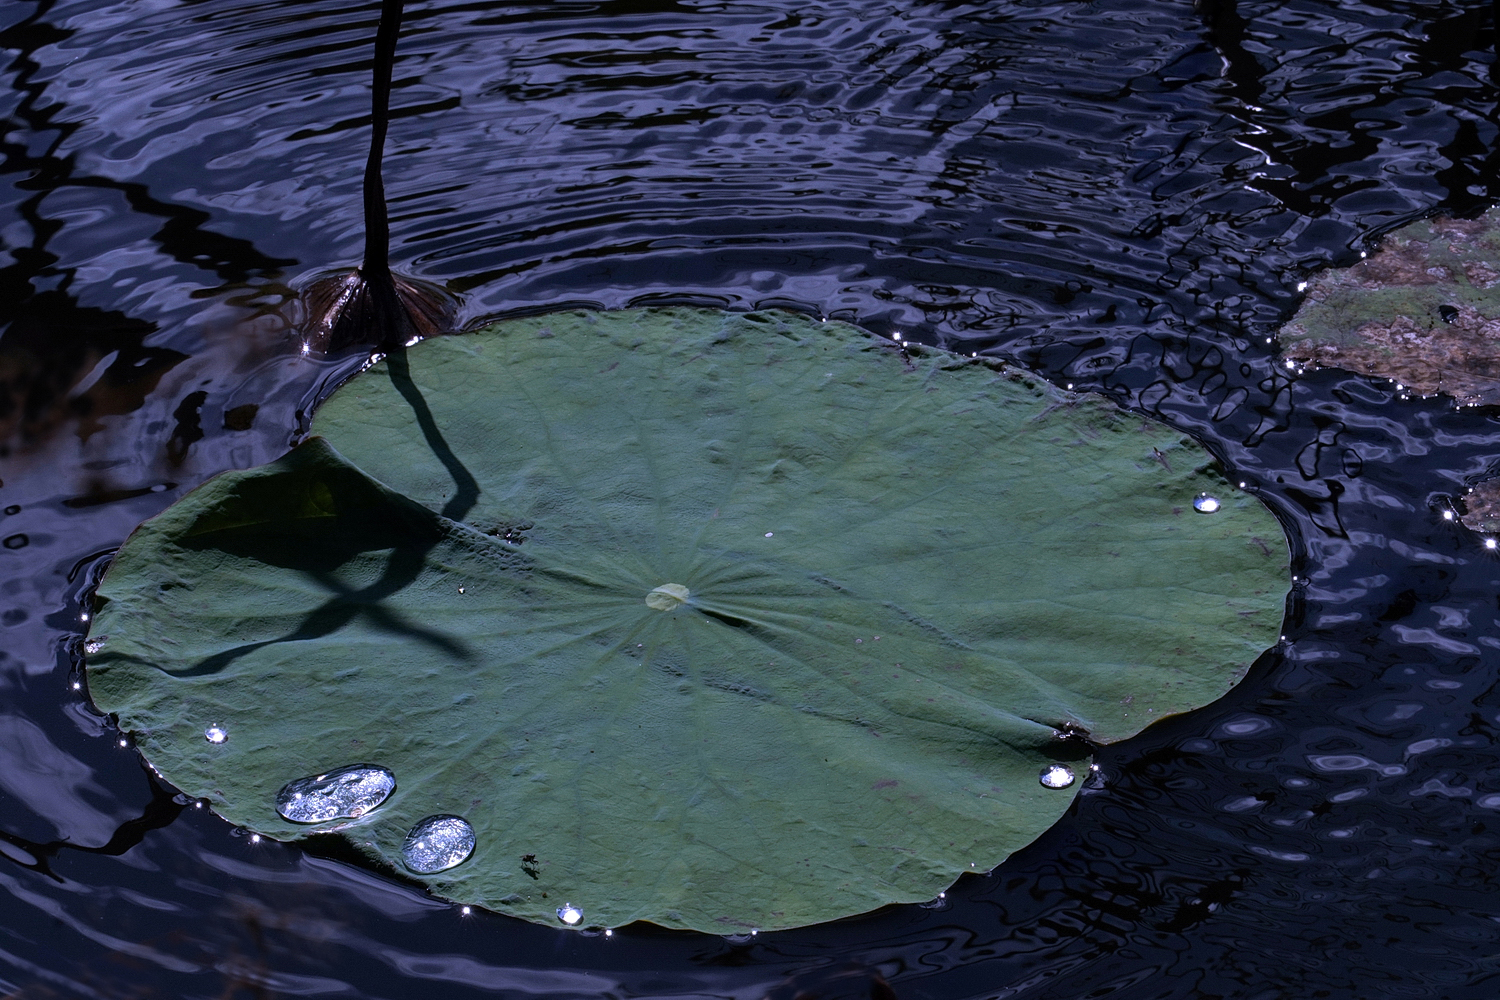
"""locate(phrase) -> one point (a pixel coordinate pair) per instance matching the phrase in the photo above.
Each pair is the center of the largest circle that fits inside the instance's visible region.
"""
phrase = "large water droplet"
(1206, 504)
(437, 843)
(216, 735)
(1056, 776)
(569, 914)
(345, 792)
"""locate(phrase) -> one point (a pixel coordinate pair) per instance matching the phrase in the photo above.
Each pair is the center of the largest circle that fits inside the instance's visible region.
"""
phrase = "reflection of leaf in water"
(1424, 310)
(797, 622)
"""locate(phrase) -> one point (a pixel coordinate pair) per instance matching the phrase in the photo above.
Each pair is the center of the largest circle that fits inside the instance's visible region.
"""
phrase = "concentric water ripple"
(1122, 194)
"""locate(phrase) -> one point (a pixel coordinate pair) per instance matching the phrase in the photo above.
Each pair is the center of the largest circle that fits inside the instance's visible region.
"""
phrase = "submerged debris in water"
(1423, 310)
(343, 793)
(438, 843)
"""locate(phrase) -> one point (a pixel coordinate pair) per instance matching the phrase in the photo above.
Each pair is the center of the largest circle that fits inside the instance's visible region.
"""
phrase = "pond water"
(1121, 194)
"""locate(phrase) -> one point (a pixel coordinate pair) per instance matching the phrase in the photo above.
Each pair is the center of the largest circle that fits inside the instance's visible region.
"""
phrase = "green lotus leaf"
(718, 621)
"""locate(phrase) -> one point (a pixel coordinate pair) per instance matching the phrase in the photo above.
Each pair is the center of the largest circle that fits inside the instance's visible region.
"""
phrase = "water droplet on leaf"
(1206, 504)
(216, 735)
(345, 792)
(1056, 776)
(569, 914)
(438, 843)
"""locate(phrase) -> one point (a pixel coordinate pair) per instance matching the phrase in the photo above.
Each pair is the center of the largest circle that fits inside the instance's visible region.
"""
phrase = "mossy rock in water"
(1481, 506)
(719, 621)
(1424, 310)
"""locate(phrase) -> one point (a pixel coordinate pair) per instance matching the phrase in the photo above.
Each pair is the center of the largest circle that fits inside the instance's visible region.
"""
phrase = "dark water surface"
(1123, 194)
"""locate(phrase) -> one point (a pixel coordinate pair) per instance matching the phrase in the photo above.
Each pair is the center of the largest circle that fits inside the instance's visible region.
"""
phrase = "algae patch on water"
(1423, 309)
(713, 620)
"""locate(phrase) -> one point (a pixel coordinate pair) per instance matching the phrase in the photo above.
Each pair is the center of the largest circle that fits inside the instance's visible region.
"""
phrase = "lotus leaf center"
(667, 597)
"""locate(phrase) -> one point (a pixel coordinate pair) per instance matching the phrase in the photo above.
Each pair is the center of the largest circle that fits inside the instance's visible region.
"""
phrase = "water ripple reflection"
(1122, 194)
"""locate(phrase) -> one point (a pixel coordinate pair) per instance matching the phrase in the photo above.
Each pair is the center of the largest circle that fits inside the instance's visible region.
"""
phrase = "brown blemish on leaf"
(1481, 274)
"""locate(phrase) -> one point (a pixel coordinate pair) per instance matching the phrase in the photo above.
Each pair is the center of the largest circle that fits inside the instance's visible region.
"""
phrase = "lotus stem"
(371, 304)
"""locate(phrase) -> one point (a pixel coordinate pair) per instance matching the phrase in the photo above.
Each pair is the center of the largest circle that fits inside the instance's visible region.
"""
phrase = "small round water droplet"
(345, 792)
(569, 914)
(93, 646)
(1056, 776)
(216, 735)
(438, 843)
(1206, 504)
